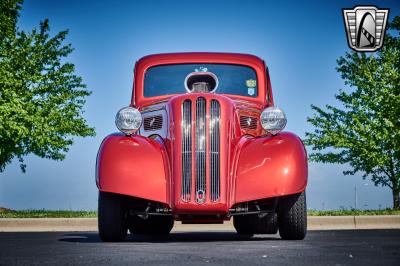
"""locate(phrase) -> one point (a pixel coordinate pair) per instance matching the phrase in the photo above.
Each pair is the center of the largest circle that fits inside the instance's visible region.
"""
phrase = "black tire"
(242, 224)
(153, 225)
(252, 224)
(111, 218)
(292, 217)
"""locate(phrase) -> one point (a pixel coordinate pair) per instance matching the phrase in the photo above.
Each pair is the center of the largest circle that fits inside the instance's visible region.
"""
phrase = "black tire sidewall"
(292, 216)
(111, 217)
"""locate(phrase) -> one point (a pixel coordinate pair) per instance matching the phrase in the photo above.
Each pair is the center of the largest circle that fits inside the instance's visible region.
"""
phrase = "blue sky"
(299, 40)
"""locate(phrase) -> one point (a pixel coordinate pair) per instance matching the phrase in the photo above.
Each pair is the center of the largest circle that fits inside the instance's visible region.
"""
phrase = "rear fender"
(270, 166)
(135, 166)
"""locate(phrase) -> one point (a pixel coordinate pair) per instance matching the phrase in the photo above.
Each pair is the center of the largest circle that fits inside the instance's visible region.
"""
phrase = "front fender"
(270, 166)
(135, 166)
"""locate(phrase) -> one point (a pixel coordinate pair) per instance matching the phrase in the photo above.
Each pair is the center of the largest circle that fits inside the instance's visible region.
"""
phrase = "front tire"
(292, 217)
(111, 217)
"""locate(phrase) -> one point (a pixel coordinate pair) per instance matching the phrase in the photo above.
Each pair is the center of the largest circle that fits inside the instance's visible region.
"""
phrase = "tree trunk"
(396, 198)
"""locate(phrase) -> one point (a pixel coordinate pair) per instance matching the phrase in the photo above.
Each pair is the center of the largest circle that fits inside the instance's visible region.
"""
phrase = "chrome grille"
(186, 150)
(206, 150)
(214, 150)
(248, 122)
(200, 150)
(152, 123)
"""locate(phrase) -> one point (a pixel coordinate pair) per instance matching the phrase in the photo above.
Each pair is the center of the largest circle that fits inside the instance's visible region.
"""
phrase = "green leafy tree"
(365, 132)
(41, 99)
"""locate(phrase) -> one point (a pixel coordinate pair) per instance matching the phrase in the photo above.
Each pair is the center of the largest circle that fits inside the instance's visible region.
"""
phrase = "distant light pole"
(355, 197)
(365, 184)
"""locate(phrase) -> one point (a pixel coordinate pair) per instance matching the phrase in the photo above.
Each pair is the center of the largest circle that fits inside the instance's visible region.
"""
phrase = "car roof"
(213, 57)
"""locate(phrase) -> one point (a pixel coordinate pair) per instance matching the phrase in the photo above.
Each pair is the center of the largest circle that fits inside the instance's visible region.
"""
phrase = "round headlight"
(128, 120)
(273, 120)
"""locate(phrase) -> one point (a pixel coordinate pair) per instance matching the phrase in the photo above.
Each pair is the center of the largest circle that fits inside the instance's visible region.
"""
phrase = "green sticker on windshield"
(251, 83)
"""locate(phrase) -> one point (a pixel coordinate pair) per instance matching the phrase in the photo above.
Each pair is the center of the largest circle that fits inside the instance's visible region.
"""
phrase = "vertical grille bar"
(200, 148)
(186, 150)
(214, 150)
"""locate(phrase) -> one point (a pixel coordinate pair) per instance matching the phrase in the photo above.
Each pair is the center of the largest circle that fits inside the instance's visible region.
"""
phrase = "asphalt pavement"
(339, 247)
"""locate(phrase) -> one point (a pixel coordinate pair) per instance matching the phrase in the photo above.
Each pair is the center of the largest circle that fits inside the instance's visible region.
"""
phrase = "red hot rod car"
(201, 142)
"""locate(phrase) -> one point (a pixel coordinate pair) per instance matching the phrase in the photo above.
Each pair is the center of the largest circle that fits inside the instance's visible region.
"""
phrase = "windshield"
(170, 79)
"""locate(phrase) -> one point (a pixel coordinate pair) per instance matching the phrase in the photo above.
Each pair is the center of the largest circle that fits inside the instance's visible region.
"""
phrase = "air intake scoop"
(201, 82)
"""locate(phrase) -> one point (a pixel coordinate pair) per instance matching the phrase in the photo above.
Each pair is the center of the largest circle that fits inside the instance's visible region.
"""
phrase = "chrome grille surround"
(186, 150)
(206, 150)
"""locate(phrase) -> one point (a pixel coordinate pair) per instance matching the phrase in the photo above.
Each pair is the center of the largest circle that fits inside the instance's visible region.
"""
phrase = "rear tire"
(252, 224)
(292, 217)
(153, 225)
(242, 224)
(111, 217)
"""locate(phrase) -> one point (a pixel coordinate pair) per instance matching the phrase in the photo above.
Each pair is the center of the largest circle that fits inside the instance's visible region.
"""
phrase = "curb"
(90, 224)
(47, 224)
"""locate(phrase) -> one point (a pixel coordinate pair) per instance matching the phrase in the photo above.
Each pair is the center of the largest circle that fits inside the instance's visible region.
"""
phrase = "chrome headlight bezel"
(273, 120)
(128, 120)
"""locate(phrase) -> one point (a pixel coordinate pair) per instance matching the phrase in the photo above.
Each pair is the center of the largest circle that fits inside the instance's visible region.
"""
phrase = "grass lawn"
(7, 213)
(353, 212)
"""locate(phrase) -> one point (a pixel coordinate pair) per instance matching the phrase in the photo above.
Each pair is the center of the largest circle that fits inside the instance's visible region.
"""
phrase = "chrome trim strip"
(155, 107)
(186, 150)
(215, 115)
